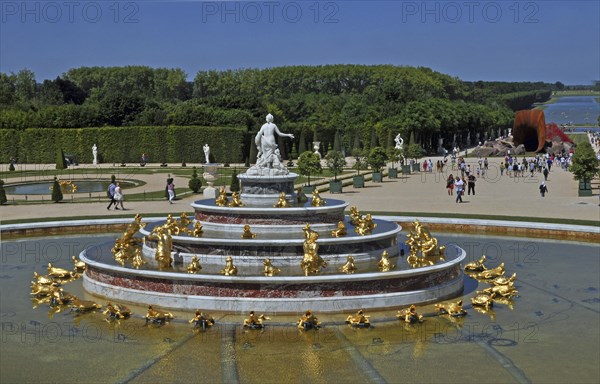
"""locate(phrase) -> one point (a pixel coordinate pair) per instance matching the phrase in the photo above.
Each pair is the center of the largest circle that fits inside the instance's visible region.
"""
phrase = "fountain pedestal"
(210, 176)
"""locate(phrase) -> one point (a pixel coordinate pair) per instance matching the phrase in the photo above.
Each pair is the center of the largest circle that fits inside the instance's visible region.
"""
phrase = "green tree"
(57, 195)
(377, 158)
(235, 182)
(309, 163)
(358, 155)
(195, 183)
(413, 151)
(585, 165)
(3, 198)
(335, 162)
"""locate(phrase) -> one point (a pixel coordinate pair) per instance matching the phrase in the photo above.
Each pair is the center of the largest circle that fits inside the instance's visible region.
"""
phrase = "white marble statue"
(206, 153)
(399, 142)
(95, 153)
(266, 143)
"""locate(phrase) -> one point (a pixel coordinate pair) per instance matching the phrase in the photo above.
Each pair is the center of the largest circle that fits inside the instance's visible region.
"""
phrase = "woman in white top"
(119, 196)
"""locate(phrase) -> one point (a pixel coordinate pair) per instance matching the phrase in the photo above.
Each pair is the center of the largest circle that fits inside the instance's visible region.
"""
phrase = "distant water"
(573, 110)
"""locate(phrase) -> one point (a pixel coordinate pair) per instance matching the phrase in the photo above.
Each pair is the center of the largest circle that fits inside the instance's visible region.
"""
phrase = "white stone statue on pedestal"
(399, 142)
(268, 161)
(95, 153)
(207, 153)
(316, 147)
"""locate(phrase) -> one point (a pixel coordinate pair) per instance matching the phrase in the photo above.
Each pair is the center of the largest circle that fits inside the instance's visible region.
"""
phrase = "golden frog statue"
(349, 267)
(410, 315)
(83, 306)
(489, 274)
(44, 290)
(340, 231)
(194, 266)
(282, 202)
(78, 264)
(270, 270)
(197, 231)
(476, 266)
(157, 317)
(60, 273)
(60, 297)
(317, 201)
(503, 280)
(359, 320)
(385, 264)
(236, 200)
(229, 269)
(222, 200)
(308, 321)
(506, 291)
(202, 320)
(254, 322)
(43, 279)
(117, 312)
(452, 309)
(482, 299)
(247, 234)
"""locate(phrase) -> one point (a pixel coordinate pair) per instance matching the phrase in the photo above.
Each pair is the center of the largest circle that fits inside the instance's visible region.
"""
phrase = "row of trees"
(361, 106)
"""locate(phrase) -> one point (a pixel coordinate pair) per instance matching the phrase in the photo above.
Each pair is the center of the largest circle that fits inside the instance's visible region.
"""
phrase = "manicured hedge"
(171, 144)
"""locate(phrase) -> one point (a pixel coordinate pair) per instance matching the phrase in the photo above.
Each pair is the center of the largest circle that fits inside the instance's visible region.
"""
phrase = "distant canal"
(574, 110)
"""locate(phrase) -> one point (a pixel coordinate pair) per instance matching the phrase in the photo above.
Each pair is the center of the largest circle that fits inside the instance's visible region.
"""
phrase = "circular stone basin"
(83, 186)
(175, 288)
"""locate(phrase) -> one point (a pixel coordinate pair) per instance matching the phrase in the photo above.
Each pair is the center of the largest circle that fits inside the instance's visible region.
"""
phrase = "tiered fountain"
(253, 251)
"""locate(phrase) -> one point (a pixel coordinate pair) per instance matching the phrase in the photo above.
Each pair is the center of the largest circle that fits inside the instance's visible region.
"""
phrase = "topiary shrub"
(195, 183)
(309, 163)
(3, 198)
(60, 159)
(57, 195)
(235, 182)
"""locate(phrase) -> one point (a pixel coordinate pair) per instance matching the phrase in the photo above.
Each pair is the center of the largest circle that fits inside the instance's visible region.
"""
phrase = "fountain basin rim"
(281, 242)
(333, 206)
(275, 279)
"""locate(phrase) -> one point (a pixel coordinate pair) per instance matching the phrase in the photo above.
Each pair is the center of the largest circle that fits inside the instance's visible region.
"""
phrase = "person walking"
(119, 197)
(471, 184)
(543, 189)
(171, 190)
(459, 183)
(450, 185)
(501, 168)
(111, 194)
(545, 172)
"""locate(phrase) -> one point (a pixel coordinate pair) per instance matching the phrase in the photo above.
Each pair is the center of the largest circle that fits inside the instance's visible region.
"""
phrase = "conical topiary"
(60, 159)
(195, 183)
(3, 198)
(235, 182)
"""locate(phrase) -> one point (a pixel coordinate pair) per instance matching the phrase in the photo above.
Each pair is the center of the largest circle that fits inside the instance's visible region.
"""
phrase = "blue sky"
(471, 39)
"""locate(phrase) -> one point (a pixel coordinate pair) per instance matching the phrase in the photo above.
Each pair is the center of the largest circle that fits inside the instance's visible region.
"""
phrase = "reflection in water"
(553, 323)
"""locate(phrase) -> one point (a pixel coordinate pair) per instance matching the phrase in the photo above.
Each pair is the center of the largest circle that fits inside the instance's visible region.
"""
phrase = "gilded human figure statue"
(317, 200)
(194, 266)
(222, 200)
(255, 322)
(184, 221)
(164, 246)
(197, 230)
(247, 234)
(282, 202)
(355, 215)
(384, 263)
(349, 267)
(236, 200)
(311, 262)
(358, 320)
(308, 321)
(421, 241)
(365, 225)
